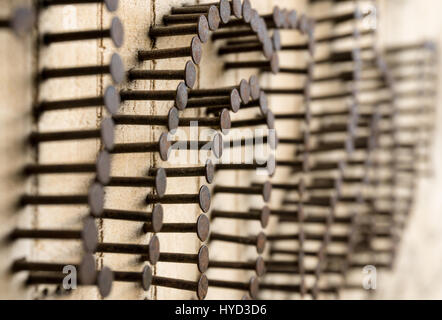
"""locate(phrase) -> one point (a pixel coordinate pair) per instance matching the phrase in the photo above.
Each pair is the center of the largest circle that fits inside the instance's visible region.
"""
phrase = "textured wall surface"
(418, 265)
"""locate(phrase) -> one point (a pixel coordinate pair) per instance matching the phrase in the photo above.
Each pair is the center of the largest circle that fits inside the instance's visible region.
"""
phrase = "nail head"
(89, 235)
(204, 198)
(261, 242)
(117, 68)
(103, 167)
(161, 182)
(202, 227)
(111, 5)
(173, 119)
(164, 146)
(237, 8)
(213, 18)
(203, 286)
(203, 259)
(210, 171)
(203, 29)
(190, 74)
(254, 287)
(255, 89)
(154, 250)
(181, 96)
(247, 11)
(196, 50)
(224, 119)
(260, 268)
(217, 148)
(112, 99)
(146, 278)
(225, 11)
(96, 199)
(104, 281)
(267, 191)
(157, 217)
(23, 21)
(265, 216)
(244, 91)
(107, 133)
(87, 270)
(117, 32)
(274, 63)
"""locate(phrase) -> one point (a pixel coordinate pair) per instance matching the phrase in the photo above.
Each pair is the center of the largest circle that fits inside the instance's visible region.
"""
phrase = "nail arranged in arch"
(94, 199)
(258, 266)
(154, 219)
(262, 215)
(252, 287)
(103, 280)
(115, 33)
(265, 190)
(115, 68)
(101, 168)
(88, 235)
(21, 22)
(110, 100)
(200, 28)
(221, 122)
(151, 250)
(211, 13)
(170, 121)
(243, 89)
(231, 100)
(201, 259)
(269, 165)
(202, 198)
(269, 66)
(159, 182)
(111, 5)
(207, 171)
(268, 119)
(188, 74)
(258, 241)
(225, 8)
(105, 134)
(200, 287)
(179, 95)
(194, 51)
(201, 228)
(162, 147)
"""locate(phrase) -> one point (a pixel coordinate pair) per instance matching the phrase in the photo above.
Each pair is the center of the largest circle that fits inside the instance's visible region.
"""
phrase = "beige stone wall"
(417, 270)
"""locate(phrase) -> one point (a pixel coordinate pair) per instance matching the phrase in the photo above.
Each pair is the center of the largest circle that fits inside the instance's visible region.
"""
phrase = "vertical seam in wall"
(100, 58)
(153, 109)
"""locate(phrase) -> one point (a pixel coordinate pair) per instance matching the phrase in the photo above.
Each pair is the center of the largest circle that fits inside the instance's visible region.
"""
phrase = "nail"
(188, 74)
(105, 134)
(179, 95)
(304, 140)
(294, 164)
(262, 215)
(266, 48)
(115, 32)
(270, 66)
(320, 201)
(144, 278)
(115, 68)
(201, 227)
(200, 28)
(211, 13)
(201, 259)
(258, 241)
(265, 190)
(202, 198)
(151, 250)
(215, 146)
(162, 147)
(86, 268)
(426, 45)
(276, 19)
(274, 42)
(243, 89)
(88, 235)
(194, 51)
(221, 122)
(208, 171)
(252, 286)
(94, 199)
(110, 100)
(342, 17)
(333, 96)
(111, 5)
(159, 182)
(271, 140)
(334, 128)
(21, 22)
(258, 266)
(231, 101)
(346, 146)
(268, 119)
(328, 166)
(354, 34)
(269, 165)
(170, 121)
(101, 168)
(255, 88)
(103, 281)
(200, 287)
(293, 91)
(154, 218)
